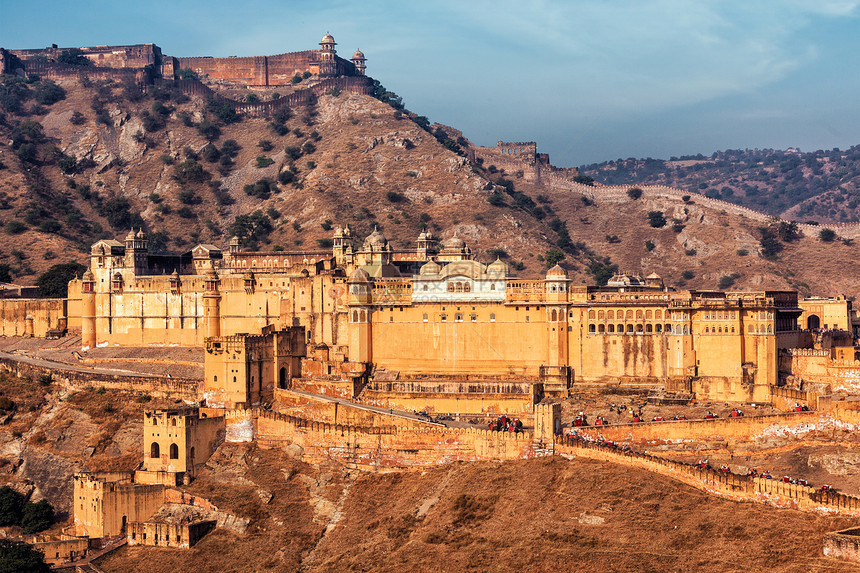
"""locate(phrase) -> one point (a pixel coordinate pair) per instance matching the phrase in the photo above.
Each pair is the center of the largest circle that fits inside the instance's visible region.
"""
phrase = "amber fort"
(390, 359)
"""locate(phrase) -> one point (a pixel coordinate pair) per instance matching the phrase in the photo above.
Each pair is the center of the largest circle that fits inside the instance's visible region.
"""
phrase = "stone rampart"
(816, 366)
(742, 429)
(724, 484)
(378, 448)
(843, 544)
(31, 316)
(785, 398)
(179, 388)
(618, 194)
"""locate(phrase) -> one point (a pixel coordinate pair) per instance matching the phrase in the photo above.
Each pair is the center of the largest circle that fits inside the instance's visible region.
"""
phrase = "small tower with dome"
(359, 60)
(327, 57)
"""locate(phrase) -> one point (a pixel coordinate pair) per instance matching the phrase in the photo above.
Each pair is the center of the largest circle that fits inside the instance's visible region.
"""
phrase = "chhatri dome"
(376, 241)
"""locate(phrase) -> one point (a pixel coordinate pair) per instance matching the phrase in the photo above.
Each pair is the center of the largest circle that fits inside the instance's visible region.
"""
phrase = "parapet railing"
(708, 478)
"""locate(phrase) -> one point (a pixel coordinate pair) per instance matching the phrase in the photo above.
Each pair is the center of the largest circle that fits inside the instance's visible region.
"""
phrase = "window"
(450, 287)
(610, 315)
(601, 329)
(493, 286)
(528, 318)
(459, 287)
(443, 317)
(649, 328)
(154, 450)
(611, 328)
(591, 329)
(492, 317)
(639, 328)
(425, 317)
(658, 328)
(474, 317)
(591, 314)
(467, 287)
(425, 287)
(619, 329)
(458, 317)
(554, 316)
(639, 315)
(174, 452)
(706, 330)
(629, 328)
(601, 315)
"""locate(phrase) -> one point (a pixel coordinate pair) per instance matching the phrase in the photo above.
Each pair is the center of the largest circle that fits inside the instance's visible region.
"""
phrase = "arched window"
(750, 329)
(629, 328)
(668, 328)
(733, 330)
(591, 328)
(173, 421)
(629, 315)
(591, 314)
(362, 315)
(493, 286)
(638, 328)
(459, 287)
(554, 316)
(658, 314)
(658, 328)
(174, 452)
(770, 329)
(450, 287)
(282, 383)
(619, 329)
(686, 329)
(639, 315)
(425, 317)
(649, 329)
(706, 330)
(648, 314)
(467, 287)
(611, 328)
(610, 315)
(601, 329)
(601, 315)
(154, 450)
(192, 454)
(492, 317)
(355, 316)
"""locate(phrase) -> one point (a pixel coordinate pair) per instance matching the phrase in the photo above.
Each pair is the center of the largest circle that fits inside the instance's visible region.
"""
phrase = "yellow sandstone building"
(433, 312)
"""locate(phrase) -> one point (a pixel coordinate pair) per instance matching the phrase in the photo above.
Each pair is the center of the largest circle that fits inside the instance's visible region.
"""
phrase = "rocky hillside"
(83, 162)
(822, 186)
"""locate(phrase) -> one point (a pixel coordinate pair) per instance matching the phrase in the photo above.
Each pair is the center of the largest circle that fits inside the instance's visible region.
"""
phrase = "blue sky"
(588, 80)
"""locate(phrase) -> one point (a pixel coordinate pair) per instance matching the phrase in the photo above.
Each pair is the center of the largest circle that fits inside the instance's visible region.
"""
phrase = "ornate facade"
(436, 311)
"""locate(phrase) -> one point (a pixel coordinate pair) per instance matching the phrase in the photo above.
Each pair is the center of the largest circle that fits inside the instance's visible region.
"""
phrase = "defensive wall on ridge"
(733, 486)
(159, 387)
(817, 367)
(618, 194)
(376, 448)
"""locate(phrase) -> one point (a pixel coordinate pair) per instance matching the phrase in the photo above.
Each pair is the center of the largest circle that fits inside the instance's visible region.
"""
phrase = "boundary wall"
(376, 449)
(618, 193)
(180, 388)
(743, 429)
(733, 486)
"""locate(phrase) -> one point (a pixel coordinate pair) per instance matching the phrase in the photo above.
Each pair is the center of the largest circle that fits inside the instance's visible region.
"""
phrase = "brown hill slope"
(545, 515)
(357, 161)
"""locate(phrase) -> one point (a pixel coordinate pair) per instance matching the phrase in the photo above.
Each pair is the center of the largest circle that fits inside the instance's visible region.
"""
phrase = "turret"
(327, 55)
(136, 252)
(88, 310)
(359, 60)
(211, 304)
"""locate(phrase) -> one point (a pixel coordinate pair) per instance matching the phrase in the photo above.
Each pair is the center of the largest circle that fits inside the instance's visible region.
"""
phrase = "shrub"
(263, 161)
(265, 145)
(273, 213)
(210, 153)
(48, 93)
(230, 148)
(634, 193)
(6, 404)
(656, 219)
(770, 246)
(285, 177)
(742, 252)
(77, 118)
(261, 189)
(827, 235)
(209, 130)
(677, 226)
(612, 239)
(326, 225)
(649, 245)
(688, 275)
(50, 226)
(189, 171)
(296, 79)
(188, 197)
(727, 281)
(68, 164)
(186, 212)
(496, 199)
(685, 198)
(690, 252)
(18, 556)
(15, 227)
(395, 197)
(325, 243)
(553, 257)
(308, 148)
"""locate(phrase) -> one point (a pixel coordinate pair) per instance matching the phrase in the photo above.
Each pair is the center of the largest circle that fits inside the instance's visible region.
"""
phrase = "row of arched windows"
(459, 287)
(628, 329)
(629, 315)
(155, 451)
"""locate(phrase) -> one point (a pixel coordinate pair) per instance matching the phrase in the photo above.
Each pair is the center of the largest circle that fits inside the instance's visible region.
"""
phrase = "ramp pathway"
(44, 363)
(368, 408)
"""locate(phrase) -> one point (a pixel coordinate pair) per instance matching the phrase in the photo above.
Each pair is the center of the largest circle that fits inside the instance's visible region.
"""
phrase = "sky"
(588, 80)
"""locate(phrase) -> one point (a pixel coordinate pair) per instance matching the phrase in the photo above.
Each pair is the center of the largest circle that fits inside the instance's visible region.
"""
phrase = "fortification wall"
(45, 313)
(178, 388)
(816, 366)
(482, 398)
(724, 484)
(376, 449)
(743, 429)
(310, 408)
(618, 194)
(843, 544)
(63, 550)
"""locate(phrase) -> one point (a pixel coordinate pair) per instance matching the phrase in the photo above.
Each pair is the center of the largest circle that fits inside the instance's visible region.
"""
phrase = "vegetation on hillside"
(820, 185)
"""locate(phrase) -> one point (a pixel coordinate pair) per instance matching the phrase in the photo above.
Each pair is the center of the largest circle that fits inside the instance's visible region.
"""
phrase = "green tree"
(827, 235)
(553, 257)
(47, 93)
(770, 246)
(54, 283)
(634, 193)
(37, 516)
(11, 506)
(788, 231)
(74, 57)
(656, 219)
(16, 557)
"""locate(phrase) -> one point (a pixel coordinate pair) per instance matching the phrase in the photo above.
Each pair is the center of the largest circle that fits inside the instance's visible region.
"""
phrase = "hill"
(90, 160)
(822, 186)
